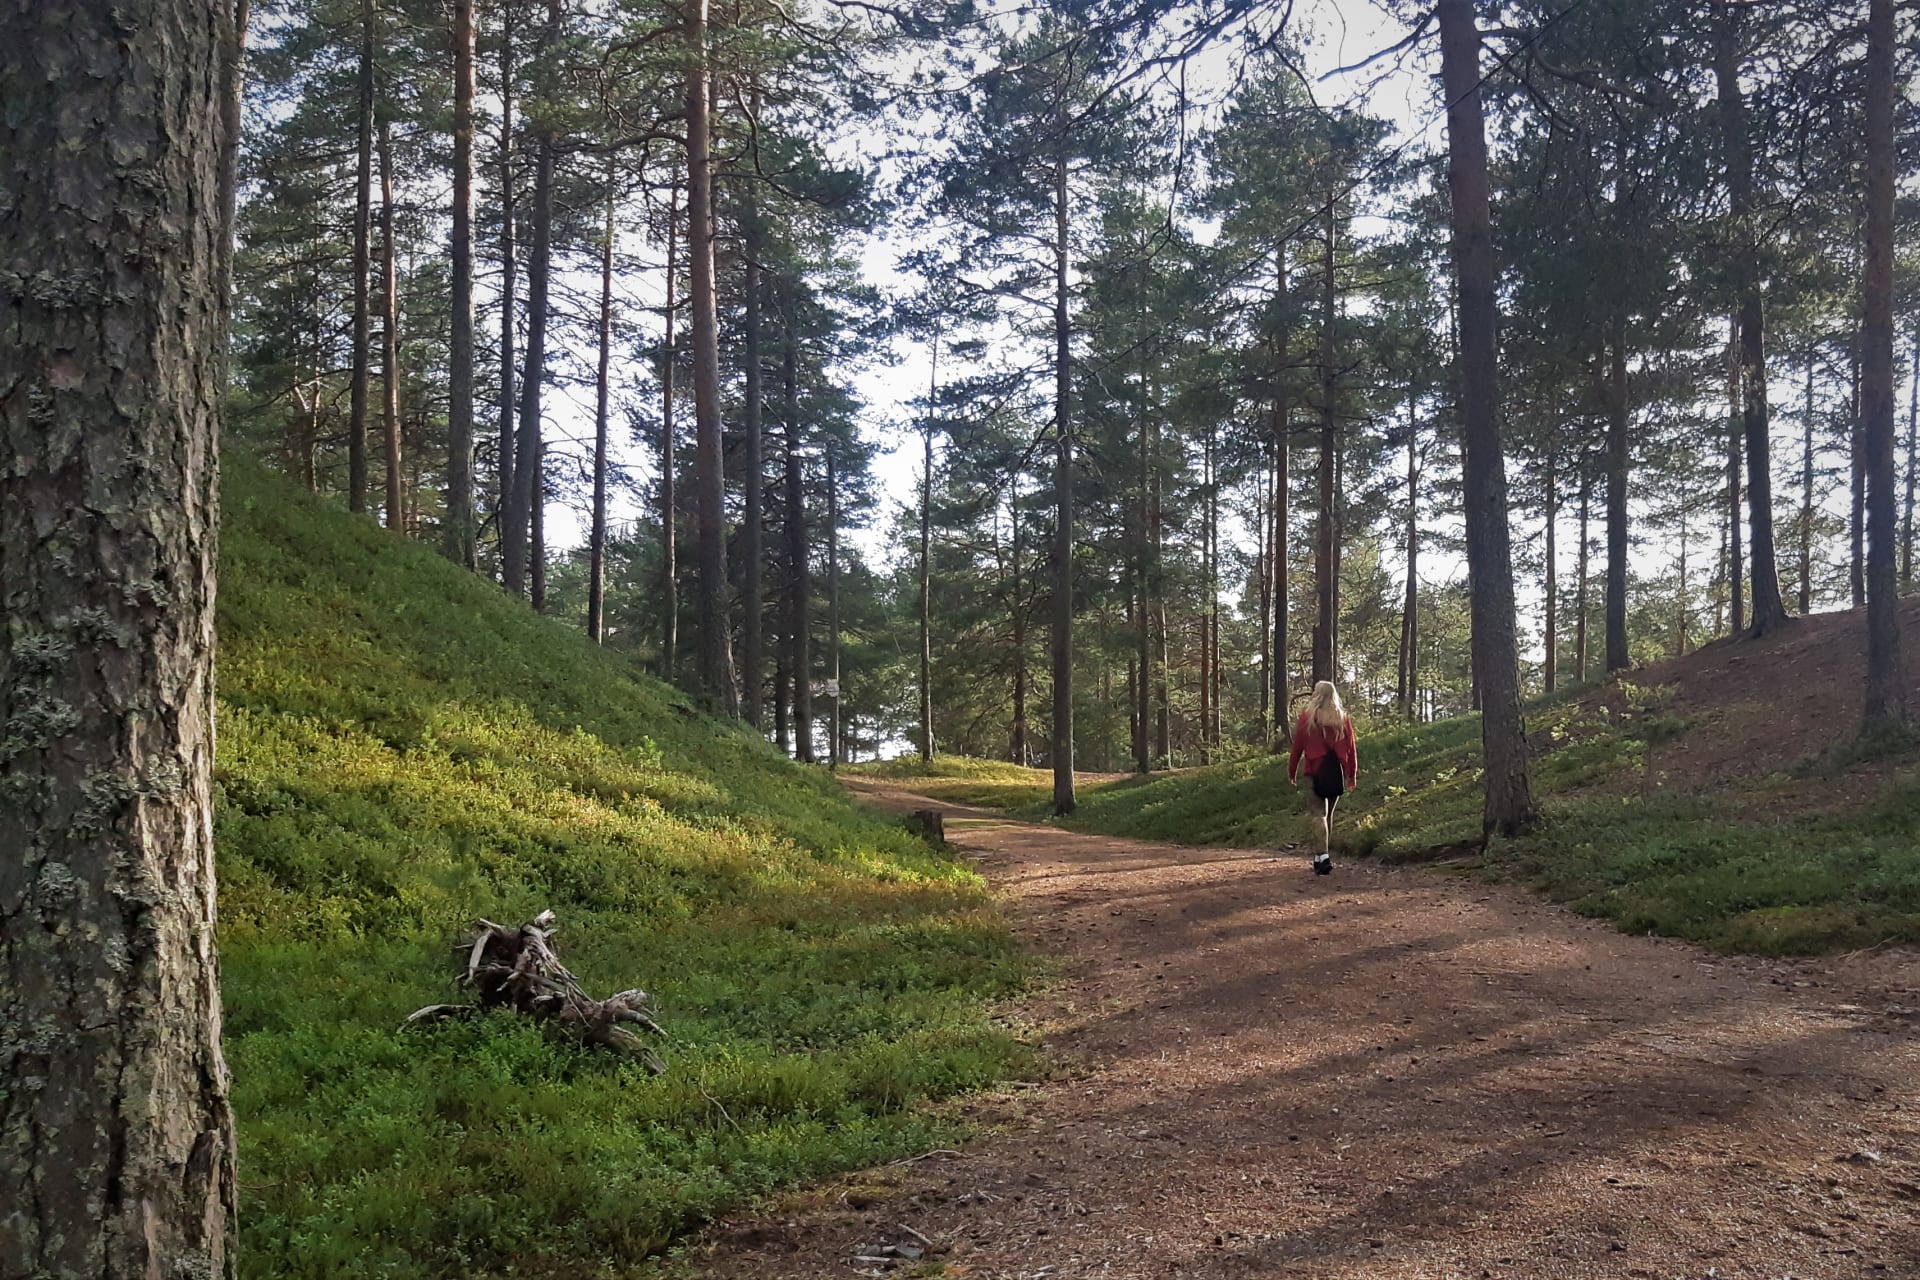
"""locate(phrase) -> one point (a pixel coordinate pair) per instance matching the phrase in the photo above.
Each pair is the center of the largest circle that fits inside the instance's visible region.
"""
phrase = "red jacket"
(1311, 743)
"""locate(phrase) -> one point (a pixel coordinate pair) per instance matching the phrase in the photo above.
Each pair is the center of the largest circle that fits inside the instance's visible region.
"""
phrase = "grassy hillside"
(403, 749)
(1760, 824)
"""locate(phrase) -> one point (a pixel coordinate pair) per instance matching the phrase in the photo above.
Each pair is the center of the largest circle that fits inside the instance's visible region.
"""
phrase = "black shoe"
(1323, 864)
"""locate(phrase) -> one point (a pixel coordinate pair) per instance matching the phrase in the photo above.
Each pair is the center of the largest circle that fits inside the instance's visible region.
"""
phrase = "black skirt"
(1329, 780)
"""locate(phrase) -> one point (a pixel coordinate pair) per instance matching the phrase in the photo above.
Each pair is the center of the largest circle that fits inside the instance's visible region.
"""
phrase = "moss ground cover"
(403, 749)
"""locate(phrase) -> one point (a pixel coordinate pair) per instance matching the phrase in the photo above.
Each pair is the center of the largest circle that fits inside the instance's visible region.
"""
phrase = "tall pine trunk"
(715, 642)
(1769, 610)
(603, 370)
(1736, 426)
(116, 1138)
(1616, 604)
(1550, 672)
(835, 725)
(390, 337)
(1018, 750)
(1509, 802)
(1282, 509)
(1806, 495)
(1581, 605)
(799, 579)
(1326, 571)
(926, 560)
(753, 568)
(1063, 801)
(669, 498)
(1410, 604)
(1857, 456)
(362, 354)
(509, 272)
(459, 538)
(1886, 693)
(1913, 470)
(516, 535)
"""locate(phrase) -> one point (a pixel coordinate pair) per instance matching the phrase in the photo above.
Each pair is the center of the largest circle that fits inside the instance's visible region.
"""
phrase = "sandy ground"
(1387, 1073)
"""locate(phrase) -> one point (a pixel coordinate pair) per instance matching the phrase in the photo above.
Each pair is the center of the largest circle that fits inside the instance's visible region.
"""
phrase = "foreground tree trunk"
(716, 644)
(116, 1140)
(458, 540)
(1063, 801)
(1886, 701)
(1509, 800)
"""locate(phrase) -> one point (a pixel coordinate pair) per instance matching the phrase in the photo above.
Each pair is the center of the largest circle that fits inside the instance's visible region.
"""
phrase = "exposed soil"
(1760, 706)
(1388, 1073)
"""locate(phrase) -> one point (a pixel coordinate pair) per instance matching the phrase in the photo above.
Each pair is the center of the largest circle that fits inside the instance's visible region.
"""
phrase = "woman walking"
(1323, 741)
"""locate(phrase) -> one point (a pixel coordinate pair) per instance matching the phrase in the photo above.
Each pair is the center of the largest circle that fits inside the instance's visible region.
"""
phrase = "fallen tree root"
(518, 969)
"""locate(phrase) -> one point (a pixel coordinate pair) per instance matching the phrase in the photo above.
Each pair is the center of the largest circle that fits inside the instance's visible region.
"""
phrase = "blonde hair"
(1324, 709)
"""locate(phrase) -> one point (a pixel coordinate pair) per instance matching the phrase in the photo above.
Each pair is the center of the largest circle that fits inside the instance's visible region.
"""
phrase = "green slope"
(403, 749)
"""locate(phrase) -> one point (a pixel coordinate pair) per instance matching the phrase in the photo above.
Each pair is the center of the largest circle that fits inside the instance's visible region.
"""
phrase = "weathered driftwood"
(928, 824)
(518, 969)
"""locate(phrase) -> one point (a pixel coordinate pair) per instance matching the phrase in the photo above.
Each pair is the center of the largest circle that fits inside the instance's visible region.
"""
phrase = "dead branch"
(518, 969)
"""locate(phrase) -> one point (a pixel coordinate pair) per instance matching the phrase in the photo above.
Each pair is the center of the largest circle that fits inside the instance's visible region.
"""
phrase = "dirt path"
(1391, 1073)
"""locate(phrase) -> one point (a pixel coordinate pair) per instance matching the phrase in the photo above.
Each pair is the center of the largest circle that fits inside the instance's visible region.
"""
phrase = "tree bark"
(116, 155)
(459, 540)
(1886, 693)
(1062, 753)
(362, 274)
(597, 536)
(390, 338)
(1508, 796)
(716, 643)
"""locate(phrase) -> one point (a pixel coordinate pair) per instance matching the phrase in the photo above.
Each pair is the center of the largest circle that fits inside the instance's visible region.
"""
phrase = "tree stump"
(929, 825)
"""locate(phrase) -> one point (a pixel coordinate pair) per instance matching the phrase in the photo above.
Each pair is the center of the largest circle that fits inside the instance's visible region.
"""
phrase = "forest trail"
(1390, 1073)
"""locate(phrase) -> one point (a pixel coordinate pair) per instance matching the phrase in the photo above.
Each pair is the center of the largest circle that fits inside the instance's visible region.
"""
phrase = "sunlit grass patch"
(401, 750)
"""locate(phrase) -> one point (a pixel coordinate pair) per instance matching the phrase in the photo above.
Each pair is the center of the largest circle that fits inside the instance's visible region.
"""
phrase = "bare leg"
(1326, 826)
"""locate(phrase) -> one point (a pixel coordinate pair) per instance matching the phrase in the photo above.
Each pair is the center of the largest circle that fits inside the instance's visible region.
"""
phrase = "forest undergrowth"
(403, 748)
(1673, 801)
